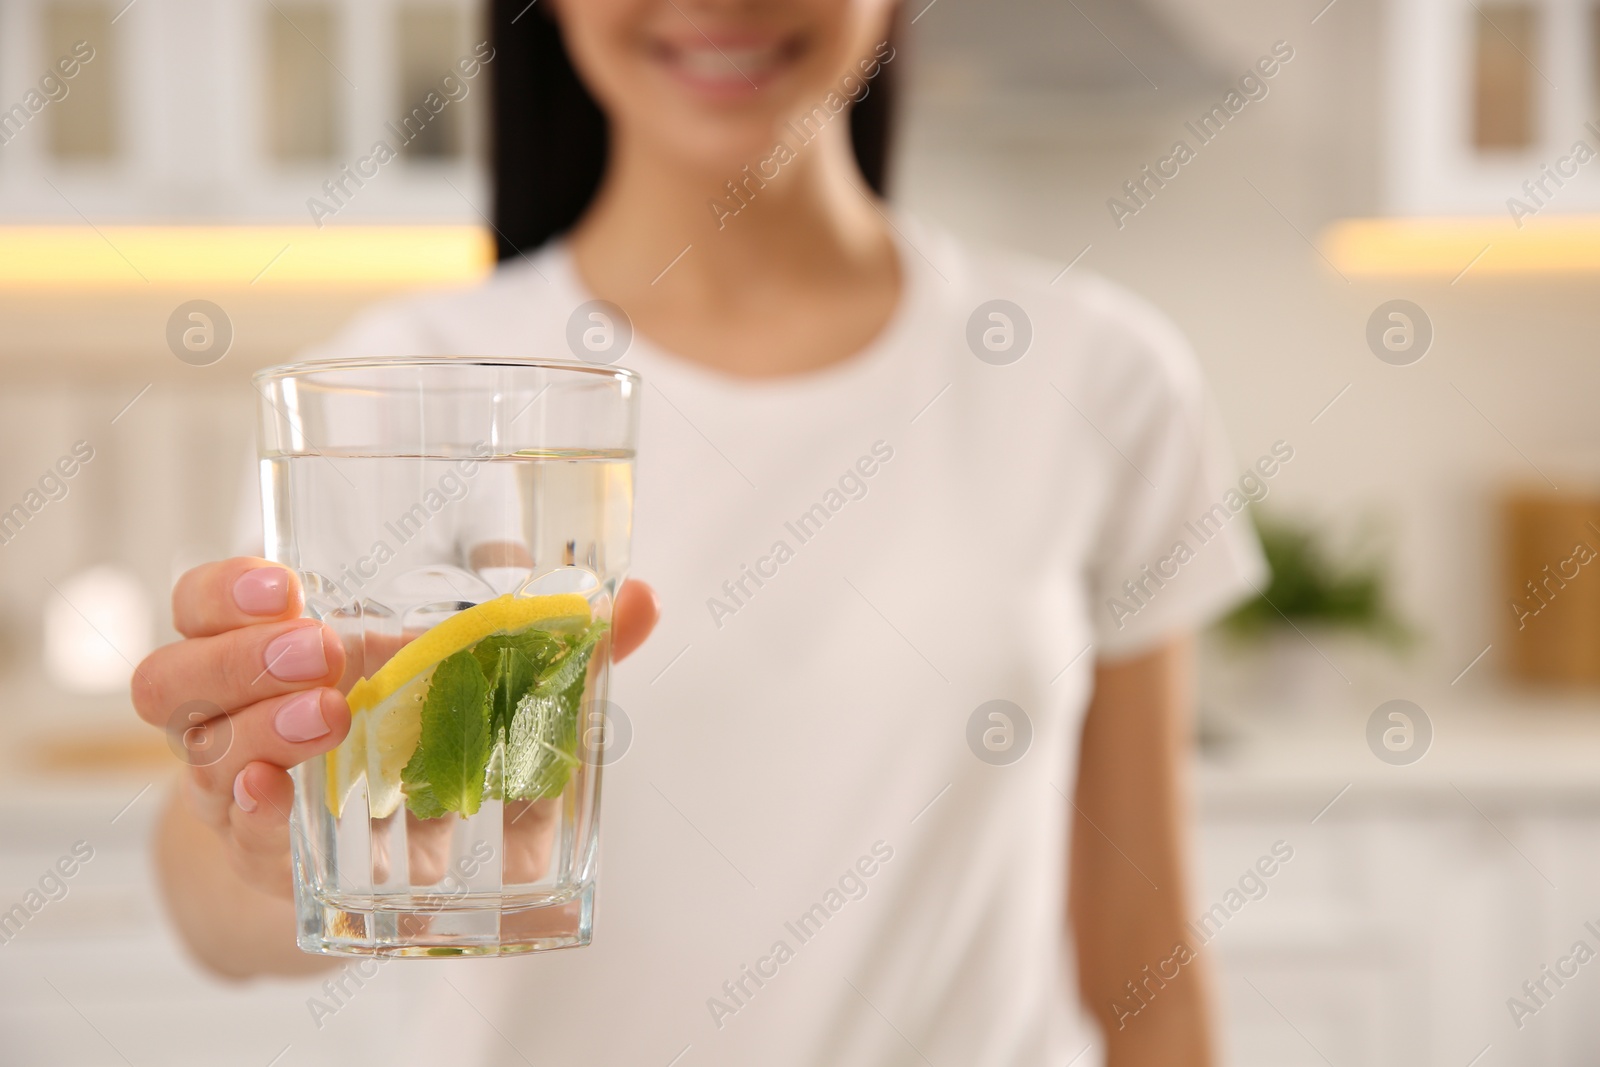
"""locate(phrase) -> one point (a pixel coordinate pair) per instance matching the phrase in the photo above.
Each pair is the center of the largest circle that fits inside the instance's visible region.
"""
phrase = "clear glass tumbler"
(463, 524)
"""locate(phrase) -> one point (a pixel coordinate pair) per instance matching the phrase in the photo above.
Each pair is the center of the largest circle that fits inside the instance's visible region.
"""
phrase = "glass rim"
(306, 368)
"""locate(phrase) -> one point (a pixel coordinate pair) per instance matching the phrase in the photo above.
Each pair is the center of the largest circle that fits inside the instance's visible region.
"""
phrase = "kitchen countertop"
(1505, 749)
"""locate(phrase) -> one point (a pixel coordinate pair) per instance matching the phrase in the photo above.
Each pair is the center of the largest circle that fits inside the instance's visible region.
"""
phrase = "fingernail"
(262, 591)
(297, 656)
(241, 795)
(300, 717)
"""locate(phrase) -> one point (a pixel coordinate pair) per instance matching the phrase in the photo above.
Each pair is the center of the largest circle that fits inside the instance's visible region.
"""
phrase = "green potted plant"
(1310, 588)
(1302, 637)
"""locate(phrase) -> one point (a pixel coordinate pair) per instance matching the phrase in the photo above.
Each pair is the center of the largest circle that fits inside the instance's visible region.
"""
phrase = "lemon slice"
(463, 630)
(347, 764)
(392, 731)
(386, 709)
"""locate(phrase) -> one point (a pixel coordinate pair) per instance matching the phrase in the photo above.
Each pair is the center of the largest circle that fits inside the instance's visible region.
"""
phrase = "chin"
(719, 149)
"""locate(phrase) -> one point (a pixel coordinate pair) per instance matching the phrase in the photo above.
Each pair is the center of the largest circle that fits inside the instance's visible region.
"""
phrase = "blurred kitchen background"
(1432, 505)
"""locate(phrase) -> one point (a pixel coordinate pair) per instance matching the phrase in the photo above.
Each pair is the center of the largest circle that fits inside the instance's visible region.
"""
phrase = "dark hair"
(548, 135)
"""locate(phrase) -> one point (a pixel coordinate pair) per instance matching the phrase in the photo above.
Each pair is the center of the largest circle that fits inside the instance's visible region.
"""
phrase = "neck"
(795, 220)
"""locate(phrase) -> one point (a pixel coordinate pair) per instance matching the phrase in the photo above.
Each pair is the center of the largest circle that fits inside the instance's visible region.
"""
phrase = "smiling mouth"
(727, 66)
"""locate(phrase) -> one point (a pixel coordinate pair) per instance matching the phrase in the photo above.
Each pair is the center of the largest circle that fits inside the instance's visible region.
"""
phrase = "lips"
(724, 67)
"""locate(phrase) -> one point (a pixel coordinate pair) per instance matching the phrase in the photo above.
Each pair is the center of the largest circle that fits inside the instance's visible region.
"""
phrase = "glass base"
(423, 928)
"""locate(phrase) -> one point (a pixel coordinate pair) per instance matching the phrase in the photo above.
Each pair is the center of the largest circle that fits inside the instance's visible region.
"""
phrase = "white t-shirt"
(805, 861)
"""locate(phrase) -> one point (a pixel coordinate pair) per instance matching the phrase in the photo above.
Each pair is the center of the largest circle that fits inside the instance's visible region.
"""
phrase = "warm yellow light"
(1445, 247)
(277, 257)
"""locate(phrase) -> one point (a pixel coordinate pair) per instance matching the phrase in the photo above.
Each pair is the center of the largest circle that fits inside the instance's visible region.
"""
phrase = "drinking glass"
(463, 524)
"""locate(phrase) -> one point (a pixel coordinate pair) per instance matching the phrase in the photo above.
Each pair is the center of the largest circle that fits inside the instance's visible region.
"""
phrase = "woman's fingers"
(280, 732)
(257, 823)
(236, 669)
(530, 831)
(216, 597)
(633, 617)
(428, 847)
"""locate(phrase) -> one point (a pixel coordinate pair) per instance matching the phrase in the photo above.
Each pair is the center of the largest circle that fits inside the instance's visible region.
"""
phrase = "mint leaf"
(540, 751)
(542, 733)
(422, 802)
(501, 719)
(447, 770)
(512, 663)
(510, 672)
(570, 669)
(539, 646)
(414, 783)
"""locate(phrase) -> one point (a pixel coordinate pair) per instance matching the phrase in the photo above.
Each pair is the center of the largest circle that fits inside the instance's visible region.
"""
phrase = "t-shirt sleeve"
(1176, 547)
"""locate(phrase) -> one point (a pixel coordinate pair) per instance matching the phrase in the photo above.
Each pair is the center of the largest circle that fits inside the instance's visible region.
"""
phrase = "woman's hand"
(246, 694)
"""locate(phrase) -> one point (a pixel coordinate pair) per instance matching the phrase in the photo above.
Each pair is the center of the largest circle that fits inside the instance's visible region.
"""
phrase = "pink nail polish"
(241, 795)
(262, 591)
(297, 656)
(300, 717)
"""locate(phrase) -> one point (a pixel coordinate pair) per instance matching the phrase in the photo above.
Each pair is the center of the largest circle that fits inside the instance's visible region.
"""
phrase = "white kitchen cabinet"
(1415, 905)
(1412, 908)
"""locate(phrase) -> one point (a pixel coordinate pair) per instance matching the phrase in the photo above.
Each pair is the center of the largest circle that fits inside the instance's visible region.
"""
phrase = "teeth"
(730, 62)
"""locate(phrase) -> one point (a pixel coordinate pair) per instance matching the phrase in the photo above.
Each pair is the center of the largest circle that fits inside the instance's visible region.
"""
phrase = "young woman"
(905, 785)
